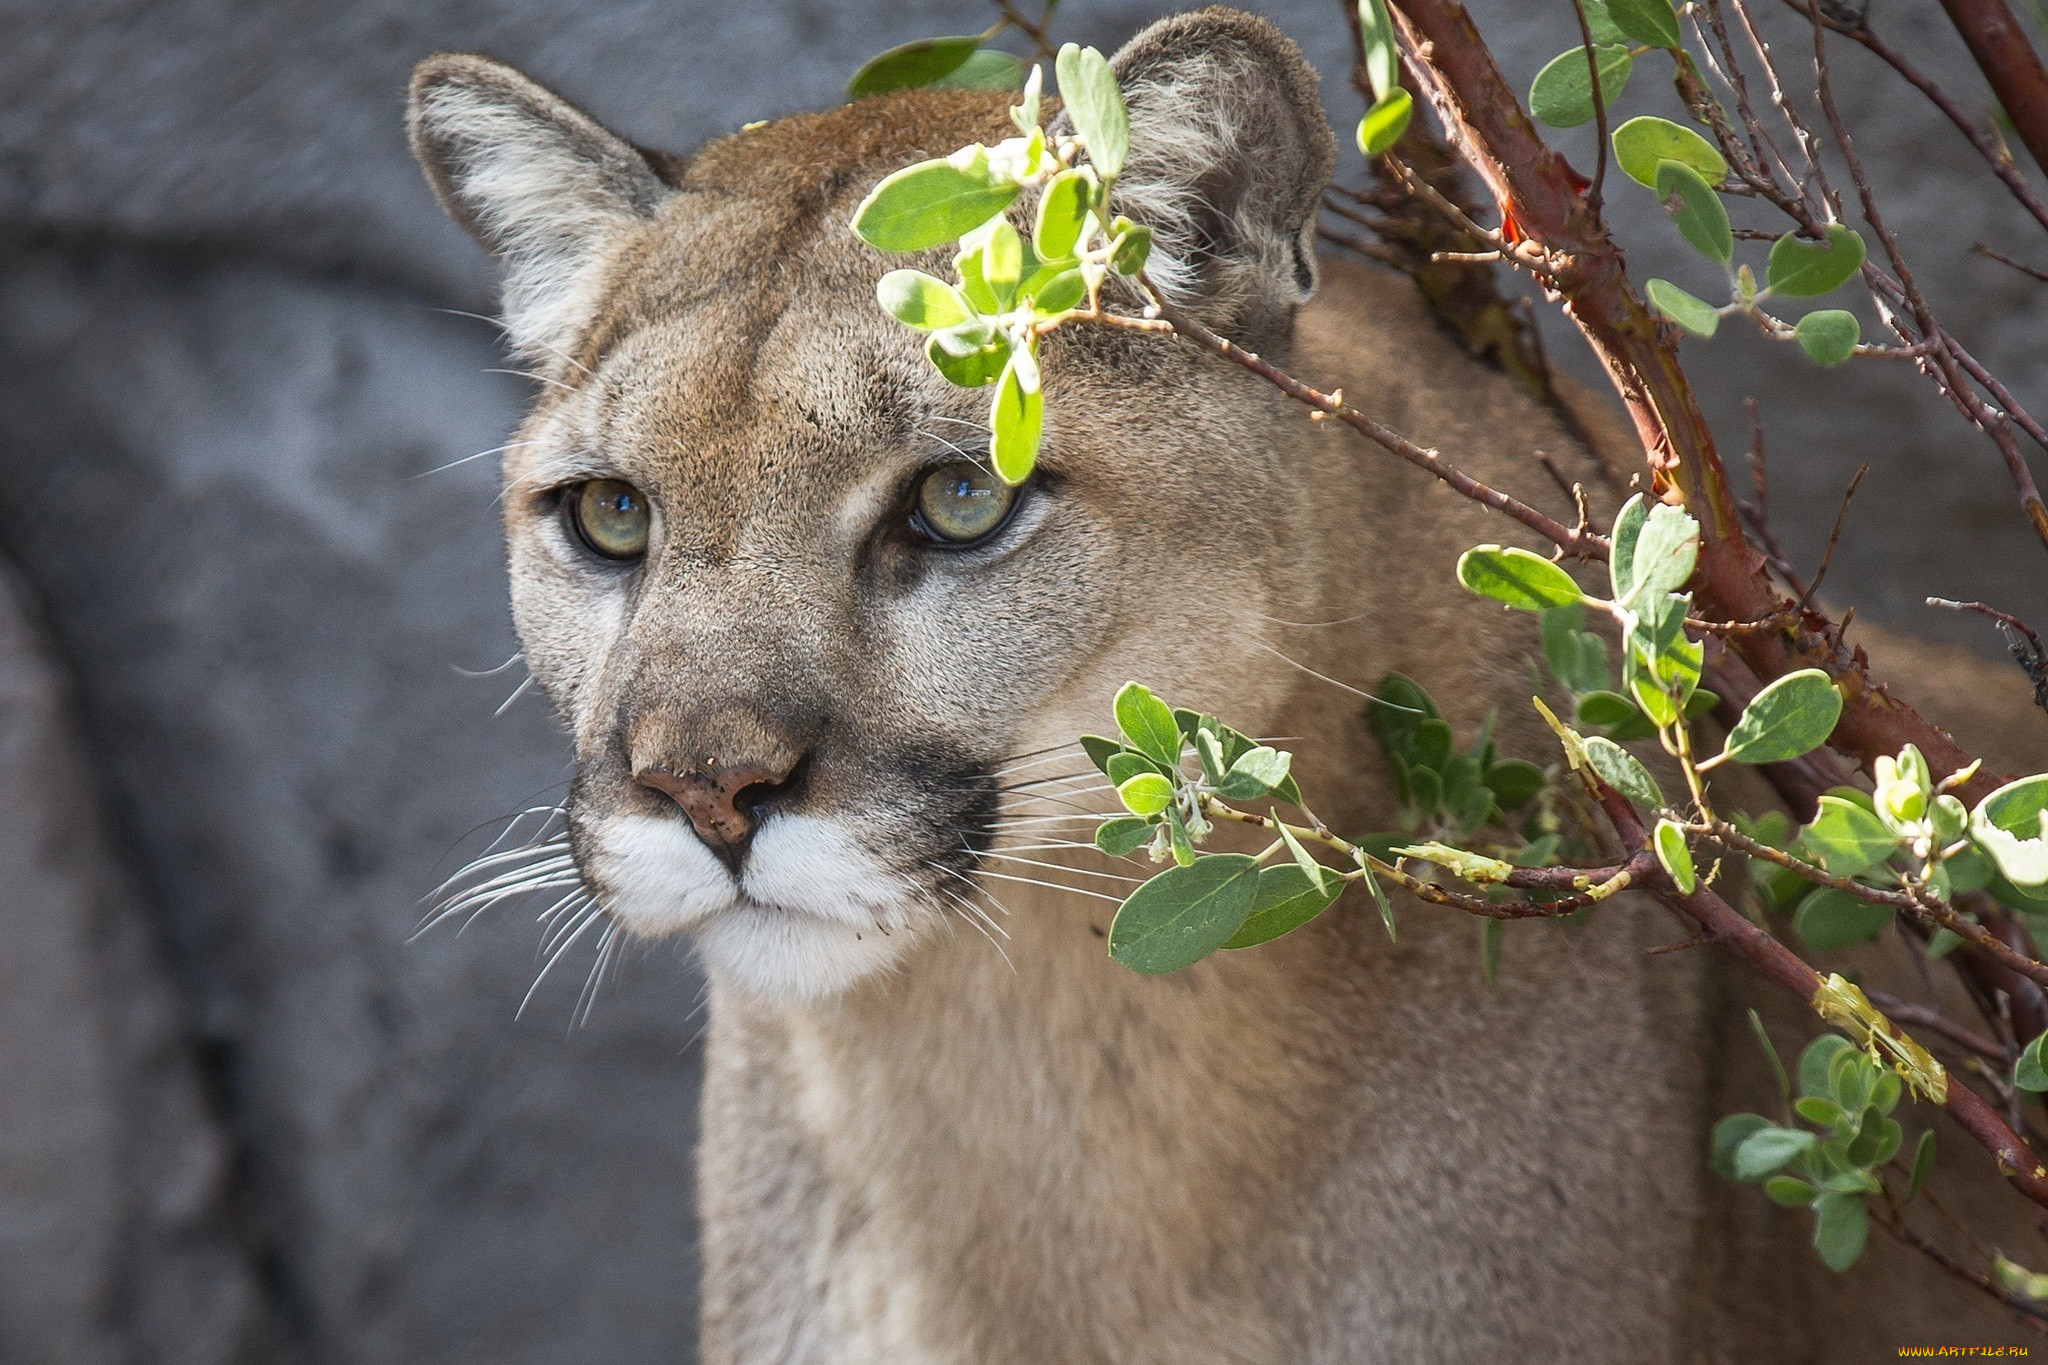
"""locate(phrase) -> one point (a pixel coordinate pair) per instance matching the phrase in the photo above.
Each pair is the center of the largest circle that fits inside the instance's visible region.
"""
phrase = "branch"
(2009, 64)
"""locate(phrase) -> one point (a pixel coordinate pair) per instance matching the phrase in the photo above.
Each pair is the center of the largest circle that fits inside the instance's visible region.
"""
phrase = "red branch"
(2009, 63)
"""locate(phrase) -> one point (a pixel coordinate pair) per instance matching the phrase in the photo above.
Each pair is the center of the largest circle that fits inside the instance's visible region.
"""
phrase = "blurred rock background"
(249, 573)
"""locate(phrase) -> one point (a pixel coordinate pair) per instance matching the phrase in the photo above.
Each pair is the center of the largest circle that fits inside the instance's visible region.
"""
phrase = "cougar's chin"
(811, 914)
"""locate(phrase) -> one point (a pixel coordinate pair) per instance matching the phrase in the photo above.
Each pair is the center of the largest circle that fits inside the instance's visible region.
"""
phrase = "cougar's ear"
(1230, 152)
(537, 181)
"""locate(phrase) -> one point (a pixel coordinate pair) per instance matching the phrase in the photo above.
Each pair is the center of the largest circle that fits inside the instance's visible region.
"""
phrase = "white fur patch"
(658, 876)
(813, 913)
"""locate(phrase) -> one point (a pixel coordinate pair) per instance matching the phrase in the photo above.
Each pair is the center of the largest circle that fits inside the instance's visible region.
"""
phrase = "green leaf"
(1562, 93)
(1062, 209)
(1600, 24)
(1184, 914)
(1829, 919)
(1793, 716)
(1802, 269)
(976, 369)
(1379, 898)
(989, 69)
(1286, 899)
(1729, 1135)
(1702, 219)
(1147, 724)
(1618, 768)
(1675, 856)
(1608, 709)
(1839, 1232)
(1489, 952)
(1384, 123)
(1514, 782)
(1766, 1151)
(2017, 1280)
(1100, 751)
(1132, 248)
(1817, 1060)
(1641, 143)
(2028, 1072)
(927, 204)
(1058, 293)
(1829, 336)
(1790, 1191)
(1378, 49)
(1146, 794)
(912, 65)
(1693, 314)
(1647, 21)
(1923, 1164)
(1123, 835)
(2011, 825)
(1016, 418)
(1847, 839)
(1825, 1113)
(1628, 528)
(1124, 766)
(1089, 89)
(1665, 552)
(1517, 577)
(1255, 773)
(1002, 261)
(915, 299)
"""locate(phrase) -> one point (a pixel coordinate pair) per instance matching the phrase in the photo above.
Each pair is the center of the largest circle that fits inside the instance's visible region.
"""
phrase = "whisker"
(1062, 867)
(585, 918)
(587, 1001)
(517, 693)
(1051, 886)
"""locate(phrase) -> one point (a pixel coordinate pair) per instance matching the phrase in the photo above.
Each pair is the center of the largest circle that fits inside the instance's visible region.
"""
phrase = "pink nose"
(719, 800)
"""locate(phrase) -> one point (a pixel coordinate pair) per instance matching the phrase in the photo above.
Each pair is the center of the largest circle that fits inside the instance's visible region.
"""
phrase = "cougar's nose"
(723, 800)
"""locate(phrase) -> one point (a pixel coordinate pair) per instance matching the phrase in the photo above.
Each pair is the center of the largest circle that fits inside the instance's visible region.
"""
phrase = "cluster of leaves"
(1685, 171)
(1387, 117)
(1446, 792)
(1205, 901)
(1830, 1163)
(1008, 289)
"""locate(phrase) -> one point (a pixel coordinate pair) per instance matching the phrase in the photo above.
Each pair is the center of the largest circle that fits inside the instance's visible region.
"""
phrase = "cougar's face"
(802, 637)
(796, 626)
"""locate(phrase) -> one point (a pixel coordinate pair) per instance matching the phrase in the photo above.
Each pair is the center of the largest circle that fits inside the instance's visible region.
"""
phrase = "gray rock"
(114, 1219)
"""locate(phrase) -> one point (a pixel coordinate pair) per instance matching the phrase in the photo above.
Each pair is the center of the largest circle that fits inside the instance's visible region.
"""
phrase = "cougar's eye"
(610, 517)
(960, 503)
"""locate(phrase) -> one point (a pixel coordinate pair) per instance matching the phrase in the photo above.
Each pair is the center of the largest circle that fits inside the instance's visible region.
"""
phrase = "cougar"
(823, 676)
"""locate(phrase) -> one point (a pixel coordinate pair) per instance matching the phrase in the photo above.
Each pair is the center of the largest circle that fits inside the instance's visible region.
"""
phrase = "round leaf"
(989, 69)
(1093, 102)
(924, 205)
(1517, 577)
(912, 65)
(1618, 768)
(1061, 211)
(915, 299)
(1675, 856)
(1767, 1150)
(1647, 21)
(1665, 551)
(1793, 716)
(1384, 123)
(2029, 1073)
(2011, 825)
(1829, 919)
(1803, 269)
(1641, 143)
(1693, 205)
(1839, 1233)
(1123, 835)
(1016, 419)
(1829, 336)
(979, 367)
(1184, 914)
(1562, 93)
(1694, 315)
(1286, 899)
(1147, 724)
(1846, 838)
(1146, 794)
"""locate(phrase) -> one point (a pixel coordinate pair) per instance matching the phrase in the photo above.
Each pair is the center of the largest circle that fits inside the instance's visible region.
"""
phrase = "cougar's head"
(800, 635)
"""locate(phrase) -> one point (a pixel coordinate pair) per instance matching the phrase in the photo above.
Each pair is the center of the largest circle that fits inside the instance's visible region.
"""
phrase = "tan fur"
(918, 1147)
